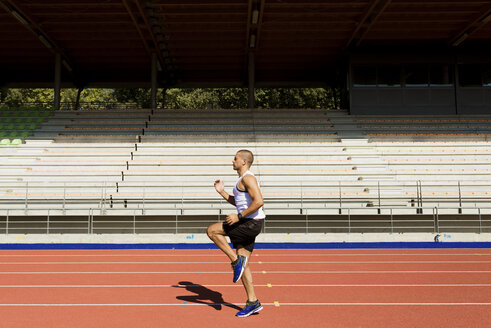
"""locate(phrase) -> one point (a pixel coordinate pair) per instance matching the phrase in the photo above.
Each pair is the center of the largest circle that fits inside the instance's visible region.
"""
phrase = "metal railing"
(378, 199)
(427, 219)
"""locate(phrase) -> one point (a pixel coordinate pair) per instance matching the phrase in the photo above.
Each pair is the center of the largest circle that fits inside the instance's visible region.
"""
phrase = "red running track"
(298, 288)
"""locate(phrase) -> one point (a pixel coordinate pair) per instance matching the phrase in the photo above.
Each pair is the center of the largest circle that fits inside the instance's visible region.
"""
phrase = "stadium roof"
(206, 42)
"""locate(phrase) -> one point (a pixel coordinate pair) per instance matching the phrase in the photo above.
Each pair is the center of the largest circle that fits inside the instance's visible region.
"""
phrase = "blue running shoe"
(250, 308)
(238, 266)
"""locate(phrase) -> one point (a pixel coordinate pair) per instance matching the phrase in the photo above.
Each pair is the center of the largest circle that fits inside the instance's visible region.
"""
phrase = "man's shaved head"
(247, 156)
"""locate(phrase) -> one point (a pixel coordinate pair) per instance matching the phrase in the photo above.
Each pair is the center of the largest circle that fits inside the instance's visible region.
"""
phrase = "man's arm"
(219, 187)
(251, 186)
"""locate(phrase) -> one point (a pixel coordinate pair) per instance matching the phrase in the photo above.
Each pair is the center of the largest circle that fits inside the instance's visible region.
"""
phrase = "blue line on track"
(375, 245)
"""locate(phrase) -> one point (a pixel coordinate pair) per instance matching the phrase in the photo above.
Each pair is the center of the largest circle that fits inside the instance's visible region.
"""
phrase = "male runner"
(241, 227)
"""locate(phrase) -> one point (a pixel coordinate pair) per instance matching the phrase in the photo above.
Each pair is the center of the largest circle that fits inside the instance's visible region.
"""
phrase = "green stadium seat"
(38, 120)
(19, 120)
(10, 127)
(4, 142)
(16, 142)
(24, 134)
(7, 120)
(32, 127)
(14, 134)
(20, 127)
(3, 134)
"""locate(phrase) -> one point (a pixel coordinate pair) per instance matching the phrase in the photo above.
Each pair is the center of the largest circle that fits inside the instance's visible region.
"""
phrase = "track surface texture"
(297, 287)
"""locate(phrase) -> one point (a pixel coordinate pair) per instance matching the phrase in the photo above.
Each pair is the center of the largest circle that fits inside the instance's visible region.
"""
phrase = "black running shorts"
(243, 233)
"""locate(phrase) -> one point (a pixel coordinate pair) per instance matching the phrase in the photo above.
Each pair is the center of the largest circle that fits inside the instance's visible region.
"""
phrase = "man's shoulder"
(249, 178)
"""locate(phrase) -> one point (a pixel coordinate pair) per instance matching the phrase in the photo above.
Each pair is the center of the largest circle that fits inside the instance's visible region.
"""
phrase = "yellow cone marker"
(276, 303)
(269, 285)
(264, 272)
(260, 262)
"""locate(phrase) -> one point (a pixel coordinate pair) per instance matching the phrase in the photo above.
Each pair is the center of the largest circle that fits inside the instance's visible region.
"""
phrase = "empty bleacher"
(320, 171)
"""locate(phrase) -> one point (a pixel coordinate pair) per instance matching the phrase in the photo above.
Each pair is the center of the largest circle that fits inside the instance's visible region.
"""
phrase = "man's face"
(238, 161)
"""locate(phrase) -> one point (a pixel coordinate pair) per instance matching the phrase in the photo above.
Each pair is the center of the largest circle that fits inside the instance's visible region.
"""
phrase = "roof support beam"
(477, 23)
(57, 81)
(373, 12)
(251, 70)
(51, 44)
(150, 31)
(137, 25)
(254, 22)
(153, 93)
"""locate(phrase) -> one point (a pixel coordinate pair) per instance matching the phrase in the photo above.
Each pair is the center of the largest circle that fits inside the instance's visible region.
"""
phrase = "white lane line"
(262, 262)
(274, 285)
(228, 272)
(238, 304)
(259, 254)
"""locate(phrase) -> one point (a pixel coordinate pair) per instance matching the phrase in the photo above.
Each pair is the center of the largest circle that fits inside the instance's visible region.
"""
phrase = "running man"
(241, 227)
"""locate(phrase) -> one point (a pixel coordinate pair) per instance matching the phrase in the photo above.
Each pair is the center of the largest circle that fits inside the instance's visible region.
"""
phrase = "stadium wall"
(264, 238)
(433, 84)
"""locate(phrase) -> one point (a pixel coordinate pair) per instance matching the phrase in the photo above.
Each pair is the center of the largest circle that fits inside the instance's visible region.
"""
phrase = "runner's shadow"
(203, 295)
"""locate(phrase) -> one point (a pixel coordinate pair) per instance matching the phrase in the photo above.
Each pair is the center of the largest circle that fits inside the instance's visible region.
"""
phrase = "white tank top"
(243, 200)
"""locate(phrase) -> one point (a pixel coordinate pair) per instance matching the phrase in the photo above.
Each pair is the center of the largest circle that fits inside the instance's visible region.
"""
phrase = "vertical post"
(47, 224)
(64, 198)
(143, 200)
(7, 224)
(349, 221)
(251, 70)
(340, 199)
(57, 81)
(437, 223)
(456, 87)
(378, 185)
(176, 220)
(421, 195)
(391, 222)
(480, 220)
(460, 200)
(134, 222)
(434, 220)
(77, 102)
(301, 197)
(346, 99)
(27, 192)
(306, 221)
(154, 81)
(88, 221)
(163, 96)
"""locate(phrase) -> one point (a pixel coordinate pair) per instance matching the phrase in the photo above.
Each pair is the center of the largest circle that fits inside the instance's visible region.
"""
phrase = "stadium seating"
(308, 162)
(17, 124)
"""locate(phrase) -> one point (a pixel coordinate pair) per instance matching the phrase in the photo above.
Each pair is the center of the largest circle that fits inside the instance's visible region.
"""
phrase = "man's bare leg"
(247, 276)
(217, 235)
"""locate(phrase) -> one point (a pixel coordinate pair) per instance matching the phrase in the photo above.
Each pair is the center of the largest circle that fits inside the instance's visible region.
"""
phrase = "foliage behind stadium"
(218, 98)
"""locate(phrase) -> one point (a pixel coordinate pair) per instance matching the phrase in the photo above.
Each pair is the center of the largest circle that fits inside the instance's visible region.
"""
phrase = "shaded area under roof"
(108, 43)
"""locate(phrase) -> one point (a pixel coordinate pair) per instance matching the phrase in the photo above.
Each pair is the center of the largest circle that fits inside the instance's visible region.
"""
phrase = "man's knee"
(213, 230)
(210, 231)
(244, 252)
